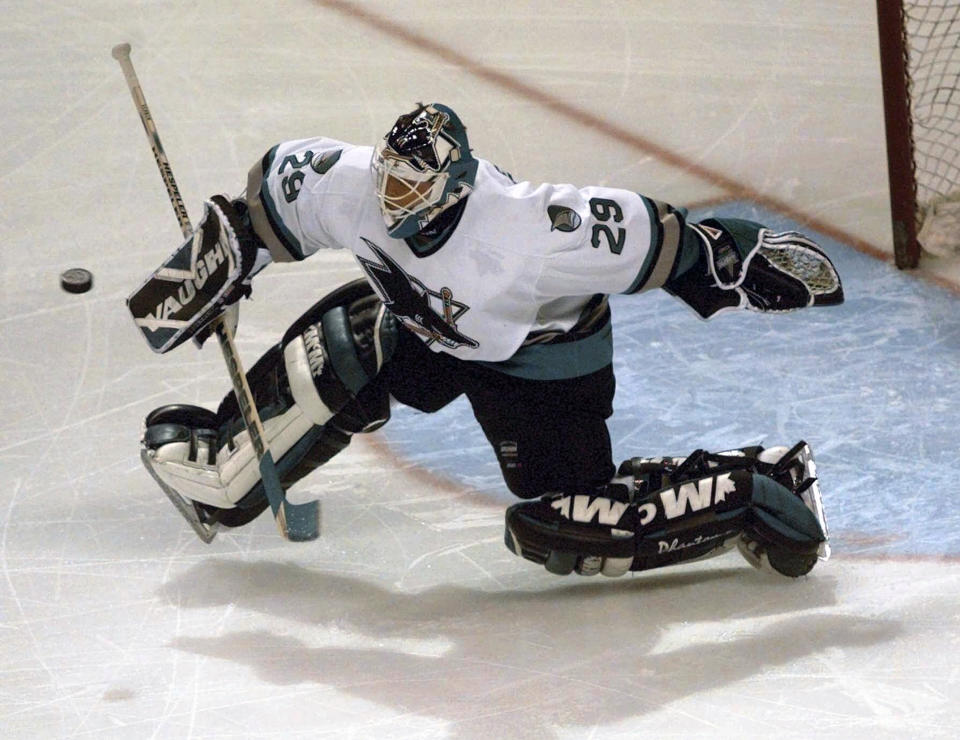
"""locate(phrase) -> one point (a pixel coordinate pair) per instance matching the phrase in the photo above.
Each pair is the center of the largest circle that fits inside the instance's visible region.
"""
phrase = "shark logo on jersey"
(412, 302)
(563, 218)
(324, 161)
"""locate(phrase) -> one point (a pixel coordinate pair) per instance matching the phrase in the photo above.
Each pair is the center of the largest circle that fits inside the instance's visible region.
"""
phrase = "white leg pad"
(236, 471)
(302, 363)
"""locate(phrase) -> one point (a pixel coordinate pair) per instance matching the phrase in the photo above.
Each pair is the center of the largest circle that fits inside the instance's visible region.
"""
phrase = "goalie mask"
(422, 167)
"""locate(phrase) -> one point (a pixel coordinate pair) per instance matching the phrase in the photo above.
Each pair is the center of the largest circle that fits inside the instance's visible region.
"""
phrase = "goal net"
(920, 54)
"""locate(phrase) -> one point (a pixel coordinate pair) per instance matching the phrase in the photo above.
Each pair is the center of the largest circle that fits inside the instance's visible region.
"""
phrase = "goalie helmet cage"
(920, 71)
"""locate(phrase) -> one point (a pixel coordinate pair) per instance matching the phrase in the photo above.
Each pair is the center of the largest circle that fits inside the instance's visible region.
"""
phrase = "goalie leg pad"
(218, 467)
(714, 502)
(309, 409)
(677, 523)
(336, 348)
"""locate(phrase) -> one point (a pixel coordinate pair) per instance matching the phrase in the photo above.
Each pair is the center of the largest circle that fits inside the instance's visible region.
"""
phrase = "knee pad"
(327, 357)
(312, 390)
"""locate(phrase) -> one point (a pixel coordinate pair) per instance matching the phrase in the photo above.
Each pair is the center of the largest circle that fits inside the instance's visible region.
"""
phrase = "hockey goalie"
(476, 284)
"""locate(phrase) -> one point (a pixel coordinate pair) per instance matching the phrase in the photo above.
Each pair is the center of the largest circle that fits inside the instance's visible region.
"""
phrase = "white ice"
(409, 618)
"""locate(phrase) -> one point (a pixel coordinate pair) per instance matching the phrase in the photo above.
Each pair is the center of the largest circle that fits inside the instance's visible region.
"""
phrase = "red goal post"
(920, 70)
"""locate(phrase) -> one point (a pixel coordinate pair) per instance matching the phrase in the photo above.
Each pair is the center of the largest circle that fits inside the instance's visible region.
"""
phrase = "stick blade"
(302, 521)
(297, 522)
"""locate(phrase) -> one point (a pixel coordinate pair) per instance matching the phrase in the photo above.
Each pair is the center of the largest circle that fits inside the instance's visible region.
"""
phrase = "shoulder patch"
(325, 160)
(563, 218)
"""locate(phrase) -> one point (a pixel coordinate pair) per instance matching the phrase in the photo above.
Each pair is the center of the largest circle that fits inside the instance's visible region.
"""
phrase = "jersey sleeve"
(284, 194)
(615, 241)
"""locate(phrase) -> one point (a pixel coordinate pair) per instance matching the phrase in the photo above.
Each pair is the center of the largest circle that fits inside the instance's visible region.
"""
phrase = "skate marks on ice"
(566, 656)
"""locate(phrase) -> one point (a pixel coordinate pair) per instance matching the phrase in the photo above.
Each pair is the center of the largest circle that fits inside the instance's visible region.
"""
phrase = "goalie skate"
(797, 470)
(812, 498)
(205, 525)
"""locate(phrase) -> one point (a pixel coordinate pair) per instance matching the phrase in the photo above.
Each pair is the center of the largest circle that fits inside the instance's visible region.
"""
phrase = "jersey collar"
(434, 235)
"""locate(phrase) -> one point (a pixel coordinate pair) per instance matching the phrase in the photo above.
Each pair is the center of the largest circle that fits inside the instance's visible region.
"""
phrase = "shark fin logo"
(413, 303)
(563, 218)
(322, 163)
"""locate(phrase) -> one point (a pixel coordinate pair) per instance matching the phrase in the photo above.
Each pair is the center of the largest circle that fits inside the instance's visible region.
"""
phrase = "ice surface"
(408, 618)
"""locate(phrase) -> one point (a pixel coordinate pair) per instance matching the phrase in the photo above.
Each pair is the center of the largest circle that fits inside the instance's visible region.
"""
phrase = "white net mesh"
(940, 227)
(932, 35)
(793, 254)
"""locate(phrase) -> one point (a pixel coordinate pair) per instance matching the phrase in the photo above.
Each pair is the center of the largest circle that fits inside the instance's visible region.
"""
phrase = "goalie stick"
(297, 522)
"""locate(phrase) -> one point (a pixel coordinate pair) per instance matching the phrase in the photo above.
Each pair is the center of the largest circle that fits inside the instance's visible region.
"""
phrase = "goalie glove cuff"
(725, 258)
(251, 256)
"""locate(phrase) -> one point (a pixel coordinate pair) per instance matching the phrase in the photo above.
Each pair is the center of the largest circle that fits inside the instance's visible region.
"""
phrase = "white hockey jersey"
(523, 262)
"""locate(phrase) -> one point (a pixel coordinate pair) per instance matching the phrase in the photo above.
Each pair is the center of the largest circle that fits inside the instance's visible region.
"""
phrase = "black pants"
(548, 435)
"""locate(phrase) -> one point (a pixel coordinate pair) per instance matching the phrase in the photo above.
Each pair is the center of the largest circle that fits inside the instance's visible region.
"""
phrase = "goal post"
(920, 72)
(896, 110)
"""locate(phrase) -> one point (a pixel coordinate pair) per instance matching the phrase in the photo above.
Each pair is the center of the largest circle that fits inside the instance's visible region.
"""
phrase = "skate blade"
(206, 531)
(813, 499)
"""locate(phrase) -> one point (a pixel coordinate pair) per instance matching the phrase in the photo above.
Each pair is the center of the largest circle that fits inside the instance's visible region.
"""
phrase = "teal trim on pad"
(342, 349)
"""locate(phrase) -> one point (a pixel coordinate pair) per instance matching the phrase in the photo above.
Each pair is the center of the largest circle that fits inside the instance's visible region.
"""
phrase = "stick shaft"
(122, 54)
(306, 516)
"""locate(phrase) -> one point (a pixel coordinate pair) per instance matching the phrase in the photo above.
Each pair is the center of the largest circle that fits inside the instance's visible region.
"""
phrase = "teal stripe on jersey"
(561, 360)
(283, 234)
(670, 247)
(656, 243)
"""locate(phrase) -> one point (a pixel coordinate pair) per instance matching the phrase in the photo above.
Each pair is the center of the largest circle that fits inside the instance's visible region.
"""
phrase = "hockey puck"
(76, 280)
